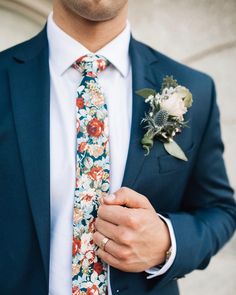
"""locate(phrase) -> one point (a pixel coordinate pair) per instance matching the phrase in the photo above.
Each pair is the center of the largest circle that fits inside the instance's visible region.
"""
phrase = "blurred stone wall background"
(200, 33)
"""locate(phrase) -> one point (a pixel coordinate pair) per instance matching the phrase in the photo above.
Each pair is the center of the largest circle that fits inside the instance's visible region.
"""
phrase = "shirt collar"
(64, 50)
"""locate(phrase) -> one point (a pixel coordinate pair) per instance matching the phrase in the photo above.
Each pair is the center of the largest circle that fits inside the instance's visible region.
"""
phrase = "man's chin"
(95, 10)
(94, 16)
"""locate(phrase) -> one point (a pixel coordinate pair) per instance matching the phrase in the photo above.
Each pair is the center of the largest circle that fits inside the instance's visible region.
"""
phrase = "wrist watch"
(167, 257)
(168, 254)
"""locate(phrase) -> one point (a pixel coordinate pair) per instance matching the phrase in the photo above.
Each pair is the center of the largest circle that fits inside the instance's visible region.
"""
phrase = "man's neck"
(92, 35)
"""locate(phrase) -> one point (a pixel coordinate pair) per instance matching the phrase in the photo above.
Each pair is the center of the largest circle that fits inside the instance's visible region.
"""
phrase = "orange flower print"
(96, 173)
(105, 144)
(91, 227)
(77, 182)
(101, 64)
(75, 290)
(75, 269)
(80, 102)
(78, 126)
(79, 60)
(91, 74)
(98, 267)
(97, 99)
(75, 246)
(95, 150)
(92, 291)
(77, 215)
(77, 171)
(90, 255)
(95, 127)
(87, 198)
(82, 147)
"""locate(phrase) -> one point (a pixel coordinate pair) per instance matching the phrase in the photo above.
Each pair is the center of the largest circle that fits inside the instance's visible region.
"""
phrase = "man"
(68, 95)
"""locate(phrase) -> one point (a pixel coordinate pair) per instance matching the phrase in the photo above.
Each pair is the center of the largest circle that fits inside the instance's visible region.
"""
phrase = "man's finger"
(108, 258)
(106, 228)
(116, 250)
(128, 198)
(114, 214)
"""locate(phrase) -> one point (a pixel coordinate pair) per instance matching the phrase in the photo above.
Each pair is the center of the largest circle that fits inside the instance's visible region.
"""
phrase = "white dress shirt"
(116, 82)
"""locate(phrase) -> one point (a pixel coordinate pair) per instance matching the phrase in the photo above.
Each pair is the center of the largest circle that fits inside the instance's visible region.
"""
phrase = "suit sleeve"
(207, 219)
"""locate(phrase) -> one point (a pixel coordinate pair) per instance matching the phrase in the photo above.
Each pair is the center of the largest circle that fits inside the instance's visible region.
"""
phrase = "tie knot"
(91, 64)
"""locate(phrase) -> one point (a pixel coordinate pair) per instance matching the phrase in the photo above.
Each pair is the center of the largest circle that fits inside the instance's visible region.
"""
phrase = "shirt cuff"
(155, 271)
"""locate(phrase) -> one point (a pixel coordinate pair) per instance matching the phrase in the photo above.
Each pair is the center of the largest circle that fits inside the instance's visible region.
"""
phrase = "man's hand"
(138, 238)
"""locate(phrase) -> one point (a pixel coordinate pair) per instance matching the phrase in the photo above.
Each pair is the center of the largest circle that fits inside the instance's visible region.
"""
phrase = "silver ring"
(103, 243)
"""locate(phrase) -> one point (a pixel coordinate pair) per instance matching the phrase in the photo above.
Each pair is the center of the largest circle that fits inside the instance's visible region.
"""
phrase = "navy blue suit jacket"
(195, 195)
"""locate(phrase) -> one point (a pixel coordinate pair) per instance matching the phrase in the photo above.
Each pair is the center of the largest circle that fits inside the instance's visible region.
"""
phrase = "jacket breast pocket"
(169, 164)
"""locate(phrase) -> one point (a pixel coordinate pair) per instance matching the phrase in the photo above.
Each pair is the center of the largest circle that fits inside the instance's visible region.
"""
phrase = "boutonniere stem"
(165, 117)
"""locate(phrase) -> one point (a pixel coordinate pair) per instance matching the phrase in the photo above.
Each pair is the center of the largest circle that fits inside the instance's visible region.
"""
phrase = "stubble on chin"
(94, 10)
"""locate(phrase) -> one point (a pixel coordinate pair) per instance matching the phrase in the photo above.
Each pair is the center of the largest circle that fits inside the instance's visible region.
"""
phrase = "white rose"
(174, 105)
(186, 95)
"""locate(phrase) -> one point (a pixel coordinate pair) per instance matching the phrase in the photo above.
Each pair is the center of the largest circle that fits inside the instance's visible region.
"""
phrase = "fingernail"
(110, 197)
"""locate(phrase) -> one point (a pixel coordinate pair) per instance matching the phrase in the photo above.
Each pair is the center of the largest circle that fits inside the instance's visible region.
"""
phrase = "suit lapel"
(142, 60)
(29, 86)
(142, 77)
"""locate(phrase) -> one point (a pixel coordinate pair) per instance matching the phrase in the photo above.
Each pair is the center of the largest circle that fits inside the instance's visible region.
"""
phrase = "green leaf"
(174, 150)
(147, 142)
(168, 82)
(146, 92)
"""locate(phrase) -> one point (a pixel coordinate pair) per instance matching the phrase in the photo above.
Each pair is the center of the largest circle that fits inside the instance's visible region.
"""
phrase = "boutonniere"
(165, 117)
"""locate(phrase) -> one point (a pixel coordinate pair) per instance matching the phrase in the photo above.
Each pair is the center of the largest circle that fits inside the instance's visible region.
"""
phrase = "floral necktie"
(89, 273)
